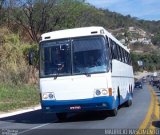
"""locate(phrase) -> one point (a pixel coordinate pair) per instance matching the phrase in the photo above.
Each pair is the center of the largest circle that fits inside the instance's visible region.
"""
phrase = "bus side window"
(118, 53)
(130, 62)
(123, 58)
(126, 57)
(114, 50)
(123, 55)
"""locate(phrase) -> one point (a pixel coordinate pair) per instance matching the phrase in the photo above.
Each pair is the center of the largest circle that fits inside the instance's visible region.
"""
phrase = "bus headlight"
(45, 96)
(104, 92)
(48, 96)
(100, 92)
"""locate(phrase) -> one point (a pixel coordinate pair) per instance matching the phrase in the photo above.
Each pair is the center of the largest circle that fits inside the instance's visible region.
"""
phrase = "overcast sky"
(142, 9)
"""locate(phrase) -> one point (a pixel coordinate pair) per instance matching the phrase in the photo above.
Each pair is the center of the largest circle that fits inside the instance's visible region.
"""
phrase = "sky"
(141, 9)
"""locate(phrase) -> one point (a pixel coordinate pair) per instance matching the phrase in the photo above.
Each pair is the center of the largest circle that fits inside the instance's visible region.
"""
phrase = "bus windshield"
(89, 55)
(67, 57)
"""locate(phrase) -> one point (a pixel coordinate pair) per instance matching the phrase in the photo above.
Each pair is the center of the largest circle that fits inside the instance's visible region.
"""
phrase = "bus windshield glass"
(67, 57)
(55, 58)
(89, 55)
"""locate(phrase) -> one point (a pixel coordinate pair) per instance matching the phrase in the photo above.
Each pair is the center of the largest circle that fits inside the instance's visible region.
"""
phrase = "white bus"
(84, 69)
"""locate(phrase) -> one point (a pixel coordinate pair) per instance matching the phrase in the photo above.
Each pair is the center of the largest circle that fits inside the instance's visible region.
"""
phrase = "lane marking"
(33, 128)
(157, 114)
(156, 108)
(153, 112)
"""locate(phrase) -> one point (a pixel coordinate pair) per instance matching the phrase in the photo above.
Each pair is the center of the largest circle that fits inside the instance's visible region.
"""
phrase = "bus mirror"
(31, 57)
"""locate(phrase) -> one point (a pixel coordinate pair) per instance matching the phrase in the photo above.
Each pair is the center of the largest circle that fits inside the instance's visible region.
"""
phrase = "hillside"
(138, 40)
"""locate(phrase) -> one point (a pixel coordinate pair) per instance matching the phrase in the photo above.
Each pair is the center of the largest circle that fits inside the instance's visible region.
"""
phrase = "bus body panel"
(122, 78)
(78, 91)
(73, 87)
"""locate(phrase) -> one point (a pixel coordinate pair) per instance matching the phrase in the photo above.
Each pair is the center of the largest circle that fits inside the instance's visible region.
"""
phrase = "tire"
(61, 116)
(119, 98)
(114, 112)
(128, 103)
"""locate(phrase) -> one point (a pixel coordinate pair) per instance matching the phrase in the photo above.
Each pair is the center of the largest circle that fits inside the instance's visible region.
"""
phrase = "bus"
(84, 69)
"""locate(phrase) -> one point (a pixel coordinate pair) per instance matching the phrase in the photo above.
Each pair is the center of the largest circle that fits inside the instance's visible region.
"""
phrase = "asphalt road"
(95, 123)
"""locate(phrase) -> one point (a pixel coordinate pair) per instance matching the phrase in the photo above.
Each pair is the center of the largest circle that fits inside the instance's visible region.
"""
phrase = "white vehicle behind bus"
(84, 69)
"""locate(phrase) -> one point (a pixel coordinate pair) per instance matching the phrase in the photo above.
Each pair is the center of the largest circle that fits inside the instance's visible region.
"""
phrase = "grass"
(14, 97)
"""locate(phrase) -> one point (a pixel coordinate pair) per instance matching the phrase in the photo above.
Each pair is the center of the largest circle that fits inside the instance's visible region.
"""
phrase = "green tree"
(32, 16)
(156, 39)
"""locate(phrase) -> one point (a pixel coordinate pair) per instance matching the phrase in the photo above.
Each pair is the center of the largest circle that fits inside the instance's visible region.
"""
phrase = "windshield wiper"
(56, 75)
(87, 74)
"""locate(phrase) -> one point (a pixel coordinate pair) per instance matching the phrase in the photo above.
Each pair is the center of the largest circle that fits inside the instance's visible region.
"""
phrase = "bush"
(14, 67)
(150, 61)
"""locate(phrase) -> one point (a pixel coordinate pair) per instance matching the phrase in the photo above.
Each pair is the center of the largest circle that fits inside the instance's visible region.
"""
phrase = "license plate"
(75, 108)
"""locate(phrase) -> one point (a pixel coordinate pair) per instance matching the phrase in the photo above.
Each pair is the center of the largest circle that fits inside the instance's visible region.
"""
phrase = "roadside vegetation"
(17, 96)
(151, 62)
(17, 79)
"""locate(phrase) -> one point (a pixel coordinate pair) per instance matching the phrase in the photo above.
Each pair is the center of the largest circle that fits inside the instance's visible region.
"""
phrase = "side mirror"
(31, 57)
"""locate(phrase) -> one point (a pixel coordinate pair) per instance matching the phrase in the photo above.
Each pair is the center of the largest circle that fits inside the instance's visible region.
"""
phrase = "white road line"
(19, 112)
(33, 128)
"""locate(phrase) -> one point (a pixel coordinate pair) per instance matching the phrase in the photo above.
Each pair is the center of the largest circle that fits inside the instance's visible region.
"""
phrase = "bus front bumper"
(91, 104)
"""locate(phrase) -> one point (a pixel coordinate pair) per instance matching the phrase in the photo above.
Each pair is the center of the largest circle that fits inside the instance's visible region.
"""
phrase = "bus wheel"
(128, 103)
(114, 112)
(61, 116)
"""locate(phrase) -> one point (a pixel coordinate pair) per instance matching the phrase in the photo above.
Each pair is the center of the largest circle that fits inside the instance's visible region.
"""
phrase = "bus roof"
(79, 32)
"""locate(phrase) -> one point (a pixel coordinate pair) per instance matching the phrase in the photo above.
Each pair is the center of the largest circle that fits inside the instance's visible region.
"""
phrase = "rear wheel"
(114, 112)
(128, 103)
(61, 116)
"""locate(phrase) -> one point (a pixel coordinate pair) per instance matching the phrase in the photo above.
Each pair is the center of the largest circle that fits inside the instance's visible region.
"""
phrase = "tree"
(32, 16)
(39, 16)
(156, 39)
(2, 11)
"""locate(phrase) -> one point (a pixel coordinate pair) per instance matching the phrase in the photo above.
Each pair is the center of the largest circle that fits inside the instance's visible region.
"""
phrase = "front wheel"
(114, 112)
(61, 116)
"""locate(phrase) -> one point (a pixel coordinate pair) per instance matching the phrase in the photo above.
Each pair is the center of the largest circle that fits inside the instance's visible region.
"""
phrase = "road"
(94, 123)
